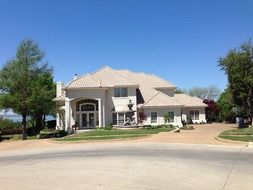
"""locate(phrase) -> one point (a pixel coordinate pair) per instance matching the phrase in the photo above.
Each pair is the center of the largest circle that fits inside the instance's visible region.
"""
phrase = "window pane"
(87, 107)
(121, 119)
(153, 117)
(192, 115)
(120, 92)
(171, 117)
(196, 115)
(114, 118)
(116, 92)
(123, 92)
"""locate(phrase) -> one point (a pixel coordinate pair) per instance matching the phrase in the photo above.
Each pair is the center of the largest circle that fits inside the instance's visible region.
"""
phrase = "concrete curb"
(231, 141)
(250, 144)
(177, 130)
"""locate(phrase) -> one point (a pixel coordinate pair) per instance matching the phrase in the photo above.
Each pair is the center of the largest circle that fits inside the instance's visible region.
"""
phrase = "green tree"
(238, 66)
(41, 100)
(17, 79)
(209, 93)
(226, 106)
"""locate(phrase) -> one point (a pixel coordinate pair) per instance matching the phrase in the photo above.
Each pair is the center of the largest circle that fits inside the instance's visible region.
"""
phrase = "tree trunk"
(38, 120)
(24, 130)
(44, 121)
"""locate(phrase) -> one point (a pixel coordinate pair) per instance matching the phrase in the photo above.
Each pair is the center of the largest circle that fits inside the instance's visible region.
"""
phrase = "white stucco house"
(108, 96)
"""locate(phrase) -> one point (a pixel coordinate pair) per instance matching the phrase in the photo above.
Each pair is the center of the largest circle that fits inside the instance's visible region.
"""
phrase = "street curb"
(231, 141)
(250, 144)
(177, 130)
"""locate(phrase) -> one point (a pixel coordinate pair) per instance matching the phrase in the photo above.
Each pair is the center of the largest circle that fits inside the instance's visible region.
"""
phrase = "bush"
(51, 124)
(108, 127)
(50, 133)
(9, 127)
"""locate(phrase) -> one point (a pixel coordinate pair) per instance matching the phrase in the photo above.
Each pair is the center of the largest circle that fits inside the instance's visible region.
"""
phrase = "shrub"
(9, 127)
(108, 127)
(51, 133)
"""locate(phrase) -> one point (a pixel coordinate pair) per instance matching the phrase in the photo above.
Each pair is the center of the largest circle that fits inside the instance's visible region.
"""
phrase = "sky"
(178, 40)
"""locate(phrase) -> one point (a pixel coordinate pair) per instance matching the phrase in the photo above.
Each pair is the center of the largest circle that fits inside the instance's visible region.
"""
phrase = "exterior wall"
(160, 114)
(168, 91)
(59, 91)
(107, 99)
(186, 114)
(112, 102)
(78, 94)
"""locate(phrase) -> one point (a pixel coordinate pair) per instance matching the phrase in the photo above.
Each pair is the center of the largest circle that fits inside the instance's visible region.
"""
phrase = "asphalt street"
(148, 166)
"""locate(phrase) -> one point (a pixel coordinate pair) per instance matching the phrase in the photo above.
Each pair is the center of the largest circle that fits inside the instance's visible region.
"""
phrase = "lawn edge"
(231, 141)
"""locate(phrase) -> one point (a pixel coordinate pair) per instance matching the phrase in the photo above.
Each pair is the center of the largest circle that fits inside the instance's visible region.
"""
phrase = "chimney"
(59, 86)
(75, 76)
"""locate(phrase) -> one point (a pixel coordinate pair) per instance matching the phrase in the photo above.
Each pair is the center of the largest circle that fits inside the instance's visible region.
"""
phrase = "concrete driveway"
(123, 166)
(202, 134)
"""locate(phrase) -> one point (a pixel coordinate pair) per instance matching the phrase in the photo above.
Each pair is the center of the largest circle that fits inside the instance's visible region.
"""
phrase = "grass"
(102, 134)
(244, 134)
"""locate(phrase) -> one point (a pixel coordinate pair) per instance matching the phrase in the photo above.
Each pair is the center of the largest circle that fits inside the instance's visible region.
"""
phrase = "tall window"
(194, 114)
(120, 92)
(153, 117)
(114, 119)
(171, 116)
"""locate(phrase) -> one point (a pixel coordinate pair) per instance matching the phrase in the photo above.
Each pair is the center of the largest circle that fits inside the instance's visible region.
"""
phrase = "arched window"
(87, 107)
(80, 103)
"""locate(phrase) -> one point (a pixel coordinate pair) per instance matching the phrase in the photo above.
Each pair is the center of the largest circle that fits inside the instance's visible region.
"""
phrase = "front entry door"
(88, 120)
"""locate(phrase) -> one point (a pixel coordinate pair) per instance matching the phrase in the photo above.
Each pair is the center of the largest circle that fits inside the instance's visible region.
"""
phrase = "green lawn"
(245, 134)
(102, 134)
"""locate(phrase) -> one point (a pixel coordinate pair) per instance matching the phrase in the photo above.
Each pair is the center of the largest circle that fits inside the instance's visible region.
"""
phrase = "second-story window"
(120, 92)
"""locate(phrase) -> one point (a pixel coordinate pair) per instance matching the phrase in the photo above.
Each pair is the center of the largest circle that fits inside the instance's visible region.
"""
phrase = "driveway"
(140, 166)
(202, 134)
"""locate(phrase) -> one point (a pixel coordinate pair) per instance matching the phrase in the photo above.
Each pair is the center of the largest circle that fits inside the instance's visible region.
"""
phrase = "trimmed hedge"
(9, 127)
(49, 133)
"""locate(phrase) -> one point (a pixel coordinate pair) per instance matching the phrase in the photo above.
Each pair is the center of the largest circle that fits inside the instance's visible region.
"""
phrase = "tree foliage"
(226, 106)
(24, 82)
(238, 66)
(209, 93)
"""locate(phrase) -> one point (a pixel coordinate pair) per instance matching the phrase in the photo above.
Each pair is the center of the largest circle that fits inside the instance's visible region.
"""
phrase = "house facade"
(123, 97)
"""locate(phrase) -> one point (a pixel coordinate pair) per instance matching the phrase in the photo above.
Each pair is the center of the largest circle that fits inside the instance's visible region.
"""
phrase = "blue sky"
(179, 40)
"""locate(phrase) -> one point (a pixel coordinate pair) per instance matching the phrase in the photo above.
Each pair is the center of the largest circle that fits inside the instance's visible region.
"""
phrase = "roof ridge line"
(98, 81)
(76, 79)
(126, 76)
(151, 98)
(105, 66)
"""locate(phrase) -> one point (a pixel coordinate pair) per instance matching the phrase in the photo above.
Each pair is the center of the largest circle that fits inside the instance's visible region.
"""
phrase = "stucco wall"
(107, 97)
(112, 101)
(186, 114)
(160, 114)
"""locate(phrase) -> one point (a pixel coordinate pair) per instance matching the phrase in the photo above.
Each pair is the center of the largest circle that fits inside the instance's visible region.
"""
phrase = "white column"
(99, 113)
(67, 114)
(58, 121)
(103, 105)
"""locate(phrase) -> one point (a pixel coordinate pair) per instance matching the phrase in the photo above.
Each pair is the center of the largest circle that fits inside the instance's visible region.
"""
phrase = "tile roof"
(161, 100)
(148, 85)
(102, 78)
(85, 81)
(189, 101)
(60, 98)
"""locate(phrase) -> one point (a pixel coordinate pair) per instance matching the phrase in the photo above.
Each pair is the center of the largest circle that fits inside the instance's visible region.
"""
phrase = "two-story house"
(116, 97)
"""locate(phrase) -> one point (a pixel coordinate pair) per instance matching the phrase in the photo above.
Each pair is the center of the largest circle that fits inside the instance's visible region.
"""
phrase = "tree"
(17, 79)
(210, 93)
(238, 66)
(43, 92)
(212, 110)
(226, 106)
